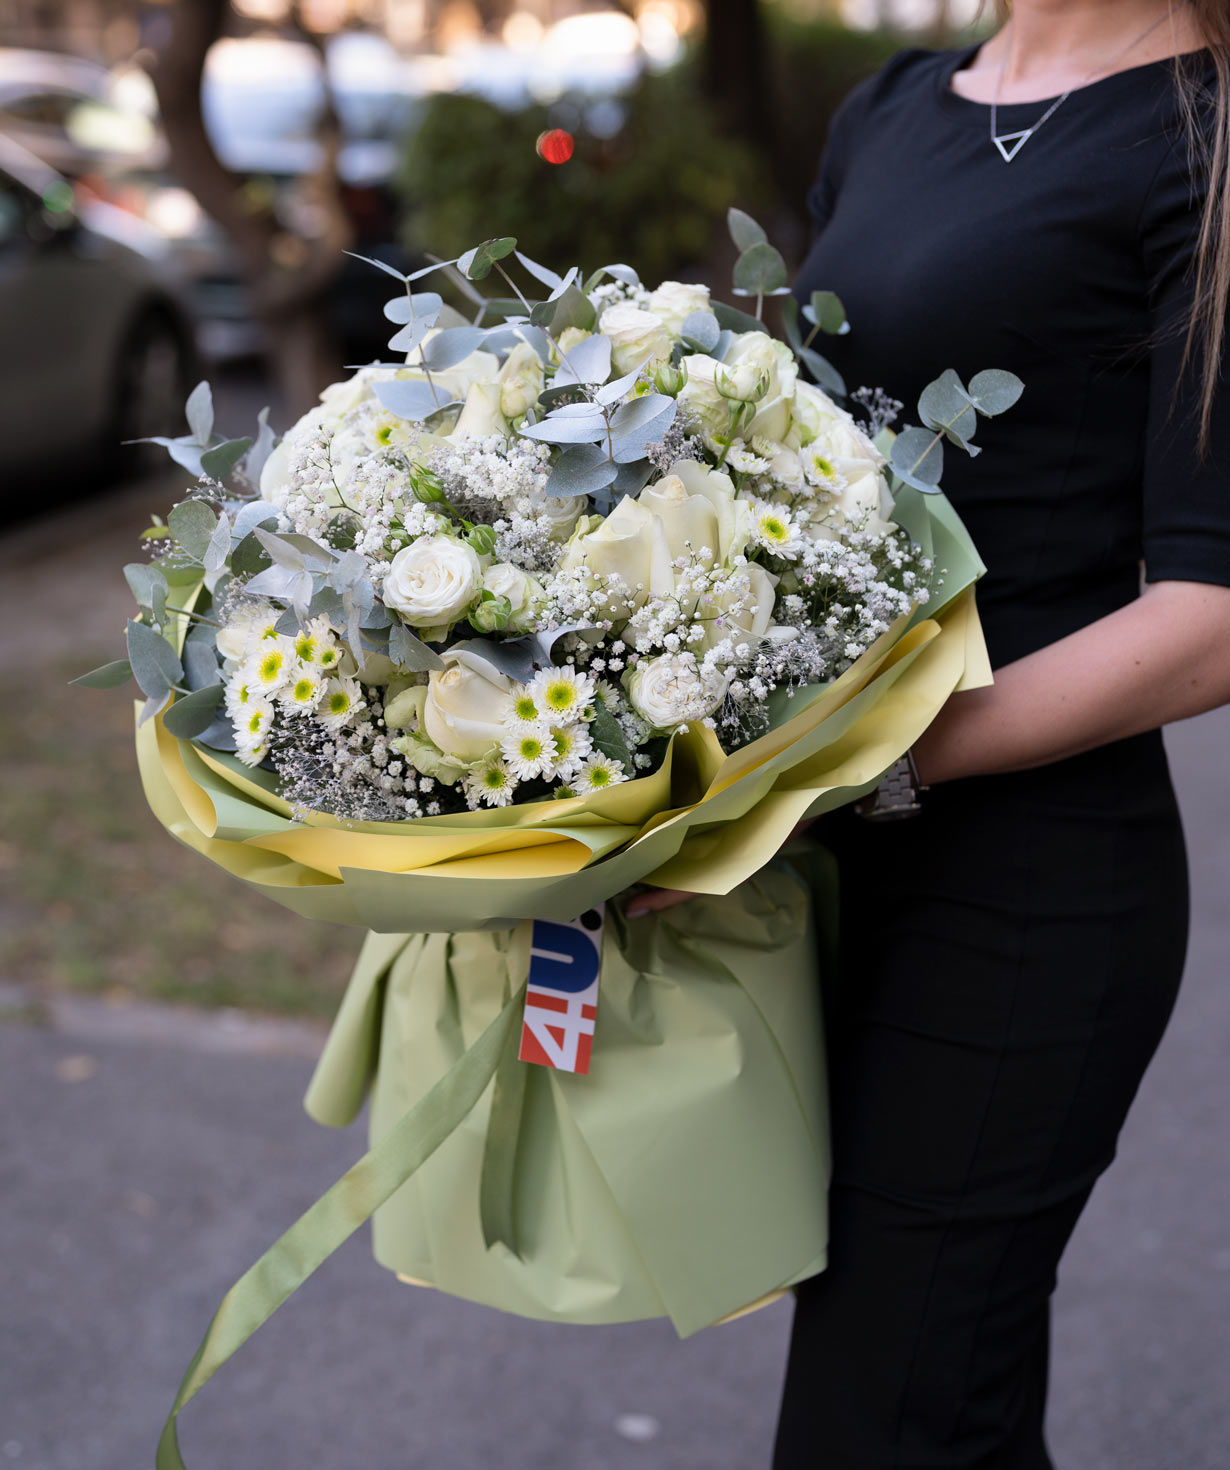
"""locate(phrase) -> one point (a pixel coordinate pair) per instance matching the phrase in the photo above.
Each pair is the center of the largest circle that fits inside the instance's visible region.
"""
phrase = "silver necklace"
(1010, 144)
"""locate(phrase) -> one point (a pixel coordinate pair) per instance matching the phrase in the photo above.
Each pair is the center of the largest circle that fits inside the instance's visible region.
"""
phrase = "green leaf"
(107, 676)
(993, 390)
(734, 319)
(701, 331)
(918, 459)
(404, 309)
(570, 309)
(760, 270)
(148, 584)
(790, 320)
(192, 714)
(154, 663)
(476, 264)
(826, 312)
(823, 371)
(219, 461)
(192, 524)
(607, 736)
(945, 407)
(408, 651)
(380, 266)
(744, 230)
(200, 658)
(249, 557)
(584, 469)
(200, 412)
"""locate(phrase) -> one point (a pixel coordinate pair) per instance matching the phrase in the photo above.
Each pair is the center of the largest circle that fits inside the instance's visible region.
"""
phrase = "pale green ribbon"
(327, 1224)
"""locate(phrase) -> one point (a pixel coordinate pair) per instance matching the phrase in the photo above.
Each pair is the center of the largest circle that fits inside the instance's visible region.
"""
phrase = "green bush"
(653, 194)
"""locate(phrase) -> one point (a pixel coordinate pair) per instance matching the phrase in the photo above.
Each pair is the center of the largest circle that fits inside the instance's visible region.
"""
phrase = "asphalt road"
(147, 1159)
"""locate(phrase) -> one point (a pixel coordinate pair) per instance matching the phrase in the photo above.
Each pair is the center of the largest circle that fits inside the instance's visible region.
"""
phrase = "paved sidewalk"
(145, 1161)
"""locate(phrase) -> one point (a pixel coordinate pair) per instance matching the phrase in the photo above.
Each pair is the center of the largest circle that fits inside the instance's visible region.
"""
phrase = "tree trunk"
(287, 275)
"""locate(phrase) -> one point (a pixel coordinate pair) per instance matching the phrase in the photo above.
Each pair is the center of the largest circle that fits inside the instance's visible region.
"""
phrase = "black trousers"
(1009, 961)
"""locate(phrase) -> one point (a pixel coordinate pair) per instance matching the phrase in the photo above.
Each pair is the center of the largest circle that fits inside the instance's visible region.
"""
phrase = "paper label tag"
(561, 996)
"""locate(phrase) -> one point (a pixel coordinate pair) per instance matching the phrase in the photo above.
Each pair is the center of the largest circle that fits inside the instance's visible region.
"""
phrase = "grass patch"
(99, 898)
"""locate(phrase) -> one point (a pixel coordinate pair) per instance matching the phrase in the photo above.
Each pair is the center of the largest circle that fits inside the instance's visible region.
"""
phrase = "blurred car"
(98, 344)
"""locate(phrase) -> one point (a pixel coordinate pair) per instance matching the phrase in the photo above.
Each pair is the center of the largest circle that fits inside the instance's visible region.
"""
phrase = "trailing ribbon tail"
(339, 1212)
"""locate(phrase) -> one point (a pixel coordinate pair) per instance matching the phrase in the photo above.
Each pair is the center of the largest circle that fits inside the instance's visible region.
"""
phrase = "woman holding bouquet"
(1055, 202)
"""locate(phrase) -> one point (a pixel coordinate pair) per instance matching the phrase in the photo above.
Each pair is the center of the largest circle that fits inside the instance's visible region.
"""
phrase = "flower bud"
(668, 379)
(491, 614)
(426, 485)
(482, 539)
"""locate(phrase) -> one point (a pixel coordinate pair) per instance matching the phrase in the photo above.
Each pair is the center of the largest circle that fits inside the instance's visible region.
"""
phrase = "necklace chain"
(1008, 145)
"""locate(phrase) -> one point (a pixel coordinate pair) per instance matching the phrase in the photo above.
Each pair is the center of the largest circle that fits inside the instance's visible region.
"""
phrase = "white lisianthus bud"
(524, 594)
(675, 301)
(521, 381)
(463, 710)
(432, 582)
(481, 417)
(629, 544)
(636, 336)
(671, 689)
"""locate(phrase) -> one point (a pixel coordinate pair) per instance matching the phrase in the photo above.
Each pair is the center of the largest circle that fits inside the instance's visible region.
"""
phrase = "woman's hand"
(641, 904)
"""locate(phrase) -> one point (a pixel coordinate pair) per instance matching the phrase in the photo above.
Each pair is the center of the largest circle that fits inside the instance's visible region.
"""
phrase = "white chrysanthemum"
(492, 783)
(252, 728)
(775, 530)
(524, 710)
(270, 666)
(529, 753)
(740, 457)
(238, 695)
(598, 772)
(341, 699)
(570, 746)
(302, 690)
(818, 469)
(314, 642)
(562, 693)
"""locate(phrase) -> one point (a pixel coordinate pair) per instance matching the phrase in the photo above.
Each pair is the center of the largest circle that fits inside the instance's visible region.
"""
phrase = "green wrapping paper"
(642, 1189)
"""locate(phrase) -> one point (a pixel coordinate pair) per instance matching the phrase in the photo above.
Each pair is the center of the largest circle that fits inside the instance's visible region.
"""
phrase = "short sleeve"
(1186, 506)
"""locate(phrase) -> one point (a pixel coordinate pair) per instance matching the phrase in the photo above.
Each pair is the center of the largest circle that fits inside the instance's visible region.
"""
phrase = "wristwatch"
(897, 794)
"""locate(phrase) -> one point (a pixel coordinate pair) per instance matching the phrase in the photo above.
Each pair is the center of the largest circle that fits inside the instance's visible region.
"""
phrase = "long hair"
(1206, 121)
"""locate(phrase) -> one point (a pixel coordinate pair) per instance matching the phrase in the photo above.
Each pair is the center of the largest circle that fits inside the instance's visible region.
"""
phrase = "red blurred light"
(555, 145)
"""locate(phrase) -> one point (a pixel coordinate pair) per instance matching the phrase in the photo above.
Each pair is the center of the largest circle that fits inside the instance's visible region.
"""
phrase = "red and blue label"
(561, 995)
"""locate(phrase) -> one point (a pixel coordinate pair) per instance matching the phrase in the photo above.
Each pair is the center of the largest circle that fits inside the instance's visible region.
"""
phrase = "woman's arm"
(1164, 657)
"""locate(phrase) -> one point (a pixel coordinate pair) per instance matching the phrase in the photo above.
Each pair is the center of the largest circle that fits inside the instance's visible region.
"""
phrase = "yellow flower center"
(530, 748)
(561, 695)
(526, 708)
(271, 665)
(600, 776)
(339, 702)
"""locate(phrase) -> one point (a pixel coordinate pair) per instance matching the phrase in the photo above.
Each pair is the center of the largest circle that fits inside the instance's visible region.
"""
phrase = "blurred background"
(179, 184)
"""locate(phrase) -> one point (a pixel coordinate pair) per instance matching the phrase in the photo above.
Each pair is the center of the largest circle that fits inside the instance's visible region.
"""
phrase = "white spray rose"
(813, 414)
(672, 689)
(560, 512)
(629, 544)
(463, 711)
(675, 301)
(521, 381)
(432, 582)
(524, 594)
(481, 416)
(636, 336)
(700, 397)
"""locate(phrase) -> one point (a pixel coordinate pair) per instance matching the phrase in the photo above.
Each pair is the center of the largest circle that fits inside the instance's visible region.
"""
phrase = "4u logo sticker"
(561, 997)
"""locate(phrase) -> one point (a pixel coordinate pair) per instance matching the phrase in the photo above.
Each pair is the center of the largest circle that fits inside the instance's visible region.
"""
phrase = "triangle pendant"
(1017, 140)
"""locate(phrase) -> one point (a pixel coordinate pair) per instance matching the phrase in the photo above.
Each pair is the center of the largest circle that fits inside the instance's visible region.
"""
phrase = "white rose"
(629, 544)
(521, 381)
(813, 413)
(560, 512)
(753, 356)
(672, 689)
(734, 517)
(339, 399)
(689, 521)
(674, 301)
(524, 594)
(700, 397)
(751, 621)
(862, 500)
(636, 336)
(463, 711)
(568, 339)
(481, 416)
(433, 581)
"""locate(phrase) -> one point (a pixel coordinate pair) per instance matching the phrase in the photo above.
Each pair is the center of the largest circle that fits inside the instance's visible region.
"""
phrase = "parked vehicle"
(98, 342)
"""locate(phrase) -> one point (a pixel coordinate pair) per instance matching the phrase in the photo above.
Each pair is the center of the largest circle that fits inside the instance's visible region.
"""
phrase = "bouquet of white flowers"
(594, 587)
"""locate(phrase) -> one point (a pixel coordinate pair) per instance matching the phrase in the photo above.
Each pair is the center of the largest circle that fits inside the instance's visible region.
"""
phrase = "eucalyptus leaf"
(249, 557)
(282, 585)
(701, 331)
(540, 272)
(219, 461)
(618, 272)
(411, 335)
(403, 309)
(512, 657)
(584, 469)
(760, 270)
(476, 264)
(219, 736)
(825, 311)
(632, 478)
(945, 406)
(744, 230)
(262, 448)
(588, 362)
(200, 413)
(409, 398)
(192, 524)
(613, 391)
(144, 579)
(387, 269)
(572, 309)
(564, 282)
(608, 737)
(734, 319)
(790, 321)
(152, 705)
(562, 426)
(217, 552)
(408, 651)
(918, 458)
(200, 662)
(448, 348)
(823, 371)
(106, 676)
(155, 665)
(993, 390)
(193, 713)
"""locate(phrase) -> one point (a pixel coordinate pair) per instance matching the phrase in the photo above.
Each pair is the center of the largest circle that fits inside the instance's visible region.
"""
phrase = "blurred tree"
(288, 273)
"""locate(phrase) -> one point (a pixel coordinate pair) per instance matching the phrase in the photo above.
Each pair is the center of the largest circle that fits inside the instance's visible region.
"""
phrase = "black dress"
(1011, 956)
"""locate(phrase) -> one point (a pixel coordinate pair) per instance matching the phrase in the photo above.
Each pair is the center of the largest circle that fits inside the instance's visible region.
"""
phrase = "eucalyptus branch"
(188, 613)
(431, 382)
